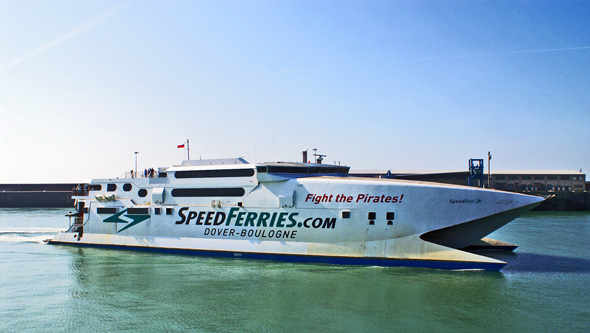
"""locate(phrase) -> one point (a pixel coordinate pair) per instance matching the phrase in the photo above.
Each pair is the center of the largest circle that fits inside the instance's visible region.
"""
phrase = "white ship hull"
(282, 216)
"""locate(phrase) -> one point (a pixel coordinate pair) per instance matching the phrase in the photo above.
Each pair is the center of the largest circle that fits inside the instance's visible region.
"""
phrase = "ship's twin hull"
(429, 255)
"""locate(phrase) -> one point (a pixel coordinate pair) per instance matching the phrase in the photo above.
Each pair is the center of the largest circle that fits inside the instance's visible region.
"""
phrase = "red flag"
(181, 146)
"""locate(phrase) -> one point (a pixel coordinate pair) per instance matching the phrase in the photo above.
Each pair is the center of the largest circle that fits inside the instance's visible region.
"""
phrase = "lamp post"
(136, 163)
(489, 171)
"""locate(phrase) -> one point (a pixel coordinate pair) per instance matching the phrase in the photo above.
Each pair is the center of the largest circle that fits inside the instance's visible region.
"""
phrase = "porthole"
(142, 193)
(96, 187)
(127, 187)
(111, 187)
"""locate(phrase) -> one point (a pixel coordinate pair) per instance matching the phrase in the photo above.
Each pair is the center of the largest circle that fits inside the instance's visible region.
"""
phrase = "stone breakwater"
(36, 195)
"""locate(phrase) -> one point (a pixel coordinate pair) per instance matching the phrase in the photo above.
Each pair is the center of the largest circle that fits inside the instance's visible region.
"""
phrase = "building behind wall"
(538, 181)
(569, 188)
(509, 180)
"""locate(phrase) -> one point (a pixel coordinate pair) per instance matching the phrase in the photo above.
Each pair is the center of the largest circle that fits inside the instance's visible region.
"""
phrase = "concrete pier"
(564, 201)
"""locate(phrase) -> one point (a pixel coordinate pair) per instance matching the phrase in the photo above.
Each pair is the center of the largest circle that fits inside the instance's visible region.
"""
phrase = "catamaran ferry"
(301, 212)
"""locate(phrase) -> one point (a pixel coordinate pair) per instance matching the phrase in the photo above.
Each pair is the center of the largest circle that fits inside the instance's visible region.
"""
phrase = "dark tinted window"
(208, 192)
(142, 193)
(127, 187)
(286, 169)
(215, 173)
(306, 169)
(106, 210)
(138, 211)
(111, 187)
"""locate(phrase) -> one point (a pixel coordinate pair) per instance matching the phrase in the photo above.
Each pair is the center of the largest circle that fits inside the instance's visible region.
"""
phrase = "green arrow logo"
(116, 219)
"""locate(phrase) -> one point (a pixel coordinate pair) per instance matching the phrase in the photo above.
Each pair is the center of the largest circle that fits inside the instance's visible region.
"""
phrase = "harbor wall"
(60, 195)
(565, 201)
(36, 195)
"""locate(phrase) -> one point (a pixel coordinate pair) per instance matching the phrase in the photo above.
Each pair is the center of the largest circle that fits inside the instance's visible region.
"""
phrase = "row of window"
(184, 192)
(201, 192)
(539, 177)
(547, 188)
(389, 216)
(277, 169)
(372, 216)
(131, 211)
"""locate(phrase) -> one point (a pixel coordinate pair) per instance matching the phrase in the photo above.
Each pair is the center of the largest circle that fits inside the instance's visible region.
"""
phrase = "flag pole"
(188, 150)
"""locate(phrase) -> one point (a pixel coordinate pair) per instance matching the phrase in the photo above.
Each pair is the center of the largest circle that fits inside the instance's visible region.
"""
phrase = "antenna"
(318, 157)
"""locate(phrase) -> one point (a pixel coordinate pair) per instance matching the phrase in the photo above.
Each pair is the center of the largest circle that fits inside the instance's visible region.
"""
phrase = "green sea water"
(545, 287)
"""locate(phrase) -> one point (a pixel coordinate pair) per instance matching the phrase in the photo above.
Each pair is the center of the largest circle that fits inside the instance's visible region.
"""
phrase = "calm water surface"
(545, 287)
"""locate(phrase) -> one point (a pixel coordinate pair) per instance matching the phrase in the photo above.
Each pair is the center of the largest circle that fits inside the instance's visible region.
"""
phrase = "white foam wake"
(32, 230)
(27, 235)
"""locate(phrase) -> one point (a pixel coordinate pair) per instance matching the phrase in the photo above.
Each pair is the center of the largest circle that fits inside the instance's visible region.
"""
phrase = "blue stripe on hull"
(334, 260)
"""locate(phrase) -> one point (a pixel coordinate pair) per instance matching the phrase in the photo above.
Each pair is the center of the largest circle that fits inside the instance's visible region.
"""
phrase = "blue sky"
(371, 84)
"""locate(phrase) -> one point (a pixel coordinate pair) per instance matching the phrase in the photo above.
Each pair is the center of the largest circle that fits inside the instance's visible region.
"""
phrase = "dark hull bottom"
(334, 260)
